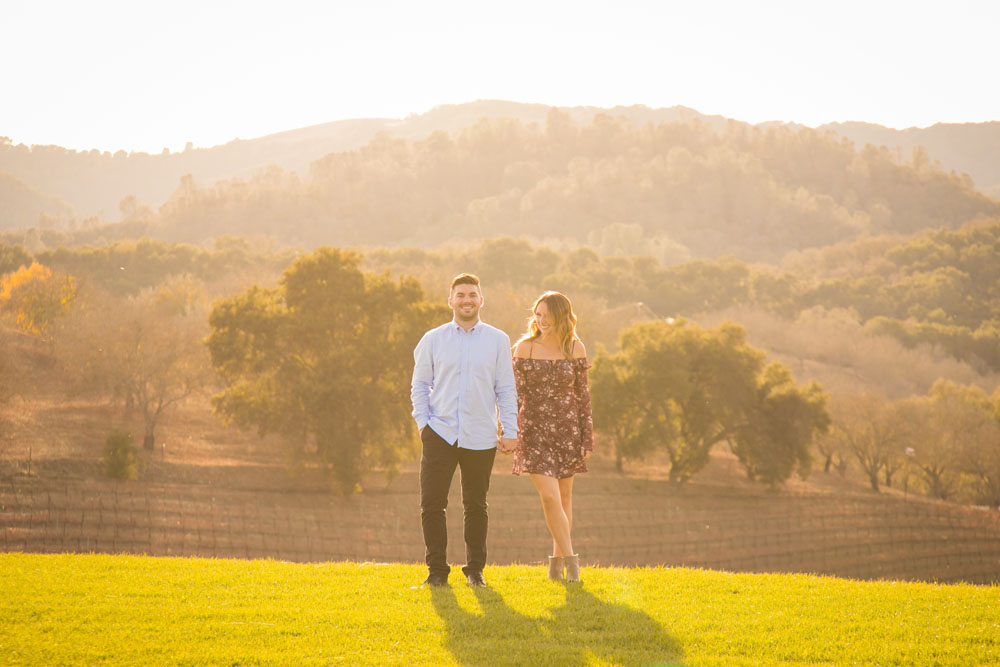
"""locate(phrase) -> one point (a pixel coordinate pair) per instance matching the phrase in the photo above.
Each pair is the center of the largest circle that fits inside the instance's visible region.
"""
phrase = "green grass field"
(132, 610)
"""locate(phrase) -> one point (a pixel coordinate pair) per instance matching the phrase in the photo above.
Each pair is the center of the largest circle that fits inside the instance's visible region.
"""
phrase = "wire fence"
(617, 523)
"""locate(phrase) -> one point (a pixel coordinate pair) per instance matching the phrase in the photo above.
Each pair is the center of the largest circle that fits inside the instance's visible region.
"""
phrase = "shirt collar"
(458, 327)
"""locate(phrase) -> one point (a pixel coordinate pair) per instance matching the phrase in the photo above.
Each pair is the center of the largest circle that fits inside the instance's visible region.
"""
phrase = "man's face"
(465, 301)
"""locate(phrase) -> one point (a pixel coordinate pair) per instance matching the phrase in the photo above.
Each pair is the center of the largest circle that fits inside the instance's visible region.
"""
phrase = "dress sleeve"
(581, 390)
(520, 383)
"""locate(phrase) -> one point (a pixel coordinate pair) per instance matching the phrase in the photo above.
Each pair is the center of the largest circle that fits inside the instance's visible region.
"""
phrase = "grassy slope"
(87, 610)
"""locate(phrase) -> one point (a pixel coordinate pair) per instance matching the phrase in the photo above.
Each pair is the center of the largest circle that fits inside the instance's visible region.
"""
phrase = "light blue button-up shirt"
(462, 380)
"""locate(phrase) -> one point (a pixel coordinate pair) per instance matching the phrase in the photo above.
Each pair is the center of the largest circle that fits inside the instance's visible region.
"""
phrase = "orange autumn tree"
(34, 296)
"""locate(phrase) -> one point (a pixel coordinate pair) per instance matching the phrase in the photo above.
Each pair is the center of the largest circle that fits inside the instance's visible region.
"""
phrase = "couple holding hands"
(464, 379)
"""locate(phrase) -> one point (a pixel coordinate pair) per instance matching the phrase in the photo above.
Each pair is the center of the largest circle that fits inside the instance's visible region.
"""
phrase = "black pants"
(437, 467)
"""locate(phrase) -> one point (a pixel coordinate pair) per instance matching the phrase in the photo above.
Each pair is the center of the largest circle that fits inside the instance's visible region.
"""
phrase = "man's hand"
(507, 445)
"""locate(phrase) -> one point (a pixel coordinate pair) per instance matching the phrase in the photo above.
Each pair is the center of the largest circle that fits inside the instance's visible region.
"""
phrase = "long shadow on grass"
(583, 626)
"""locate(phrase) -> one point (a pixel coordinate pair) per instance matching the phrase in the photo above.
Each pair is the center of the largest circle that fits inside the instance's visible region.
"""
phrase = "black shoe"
(475, 579)
(436, 579)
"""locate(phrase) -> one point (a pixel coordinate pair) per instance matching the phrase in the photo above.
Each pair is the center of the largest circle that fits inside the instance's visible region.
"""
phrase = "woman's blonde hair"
(563, 318)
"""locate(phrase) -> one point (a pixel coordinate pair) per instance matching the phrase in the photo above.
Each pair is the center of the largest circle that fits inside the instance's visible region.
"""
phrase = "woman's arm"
(581, 391)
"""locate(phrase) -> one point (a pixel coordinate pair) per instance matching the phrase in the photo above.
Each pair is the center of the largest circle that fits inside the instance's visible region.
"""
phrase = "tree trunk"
(148, 440)
(938, 487)
(873, 479)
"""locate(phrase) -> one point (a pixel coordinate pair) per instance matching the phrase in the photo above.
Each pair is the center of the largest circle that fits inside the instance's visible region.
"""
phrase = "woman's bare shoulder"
(522, 349)
(579, 351)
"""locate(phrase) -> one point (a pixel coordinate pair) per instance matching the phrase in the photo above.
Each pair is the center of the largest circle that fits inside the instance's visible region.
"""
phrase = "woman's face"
(543, 320)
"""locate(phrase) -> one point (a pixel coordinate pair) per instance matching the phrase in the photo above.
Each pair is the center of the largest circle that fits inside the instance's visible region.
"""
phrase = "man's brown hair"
(464, 279)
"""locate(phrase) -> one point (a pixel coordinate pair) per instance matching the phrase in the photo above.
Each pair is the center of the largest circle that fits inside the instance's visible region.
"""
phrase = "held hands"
(507, 445)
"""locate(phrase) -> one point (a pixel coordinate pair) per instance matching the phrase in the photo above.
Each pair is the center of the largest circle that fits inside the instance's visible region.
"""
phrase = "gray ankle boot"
(556, 568)
(572, 567)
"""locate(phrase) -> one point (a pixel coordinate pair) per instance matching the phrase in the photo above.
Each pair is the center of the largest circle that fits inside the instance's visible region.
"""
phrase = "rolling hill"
(970, 148)
(93, 183)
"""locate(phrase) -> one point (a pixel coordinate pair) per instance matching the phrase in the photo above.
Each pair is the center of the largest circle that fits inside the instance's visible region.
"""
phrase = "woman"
(556, 433)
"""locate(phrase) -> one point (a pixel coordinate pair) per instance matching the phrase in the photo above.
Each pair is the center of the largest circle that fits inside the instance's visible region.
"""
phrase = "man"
(462, 378)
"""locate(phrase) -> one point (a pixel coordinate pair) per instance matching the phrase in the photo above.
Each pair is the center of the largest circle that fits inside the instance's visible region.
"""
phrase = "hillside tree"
(676, 386)
(146, 351)
(615, 411)
(962, 441)
(324, 360)
(34, 296)
(779, 426)
(868, 425)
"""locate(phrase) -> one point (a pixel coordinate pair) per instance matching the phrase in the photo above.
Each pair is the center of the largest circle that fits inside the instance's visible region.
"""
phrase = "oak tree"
(325, 360)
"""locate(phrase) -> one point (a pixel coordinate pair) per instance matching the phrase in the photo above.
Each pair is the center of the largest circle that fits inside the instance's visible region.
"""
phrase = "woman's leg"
(570, 559)
(566, 497)
(555, 515)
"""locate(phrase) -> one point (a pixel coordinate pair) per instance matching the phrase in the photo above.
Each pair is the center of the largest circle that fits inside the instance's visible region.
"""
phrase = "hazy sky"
(144, 75)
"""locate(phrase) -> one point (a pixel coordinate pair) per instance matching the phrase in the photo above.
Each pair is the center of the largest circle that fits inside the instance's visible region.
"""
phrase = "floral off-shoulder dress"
(554, 417)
